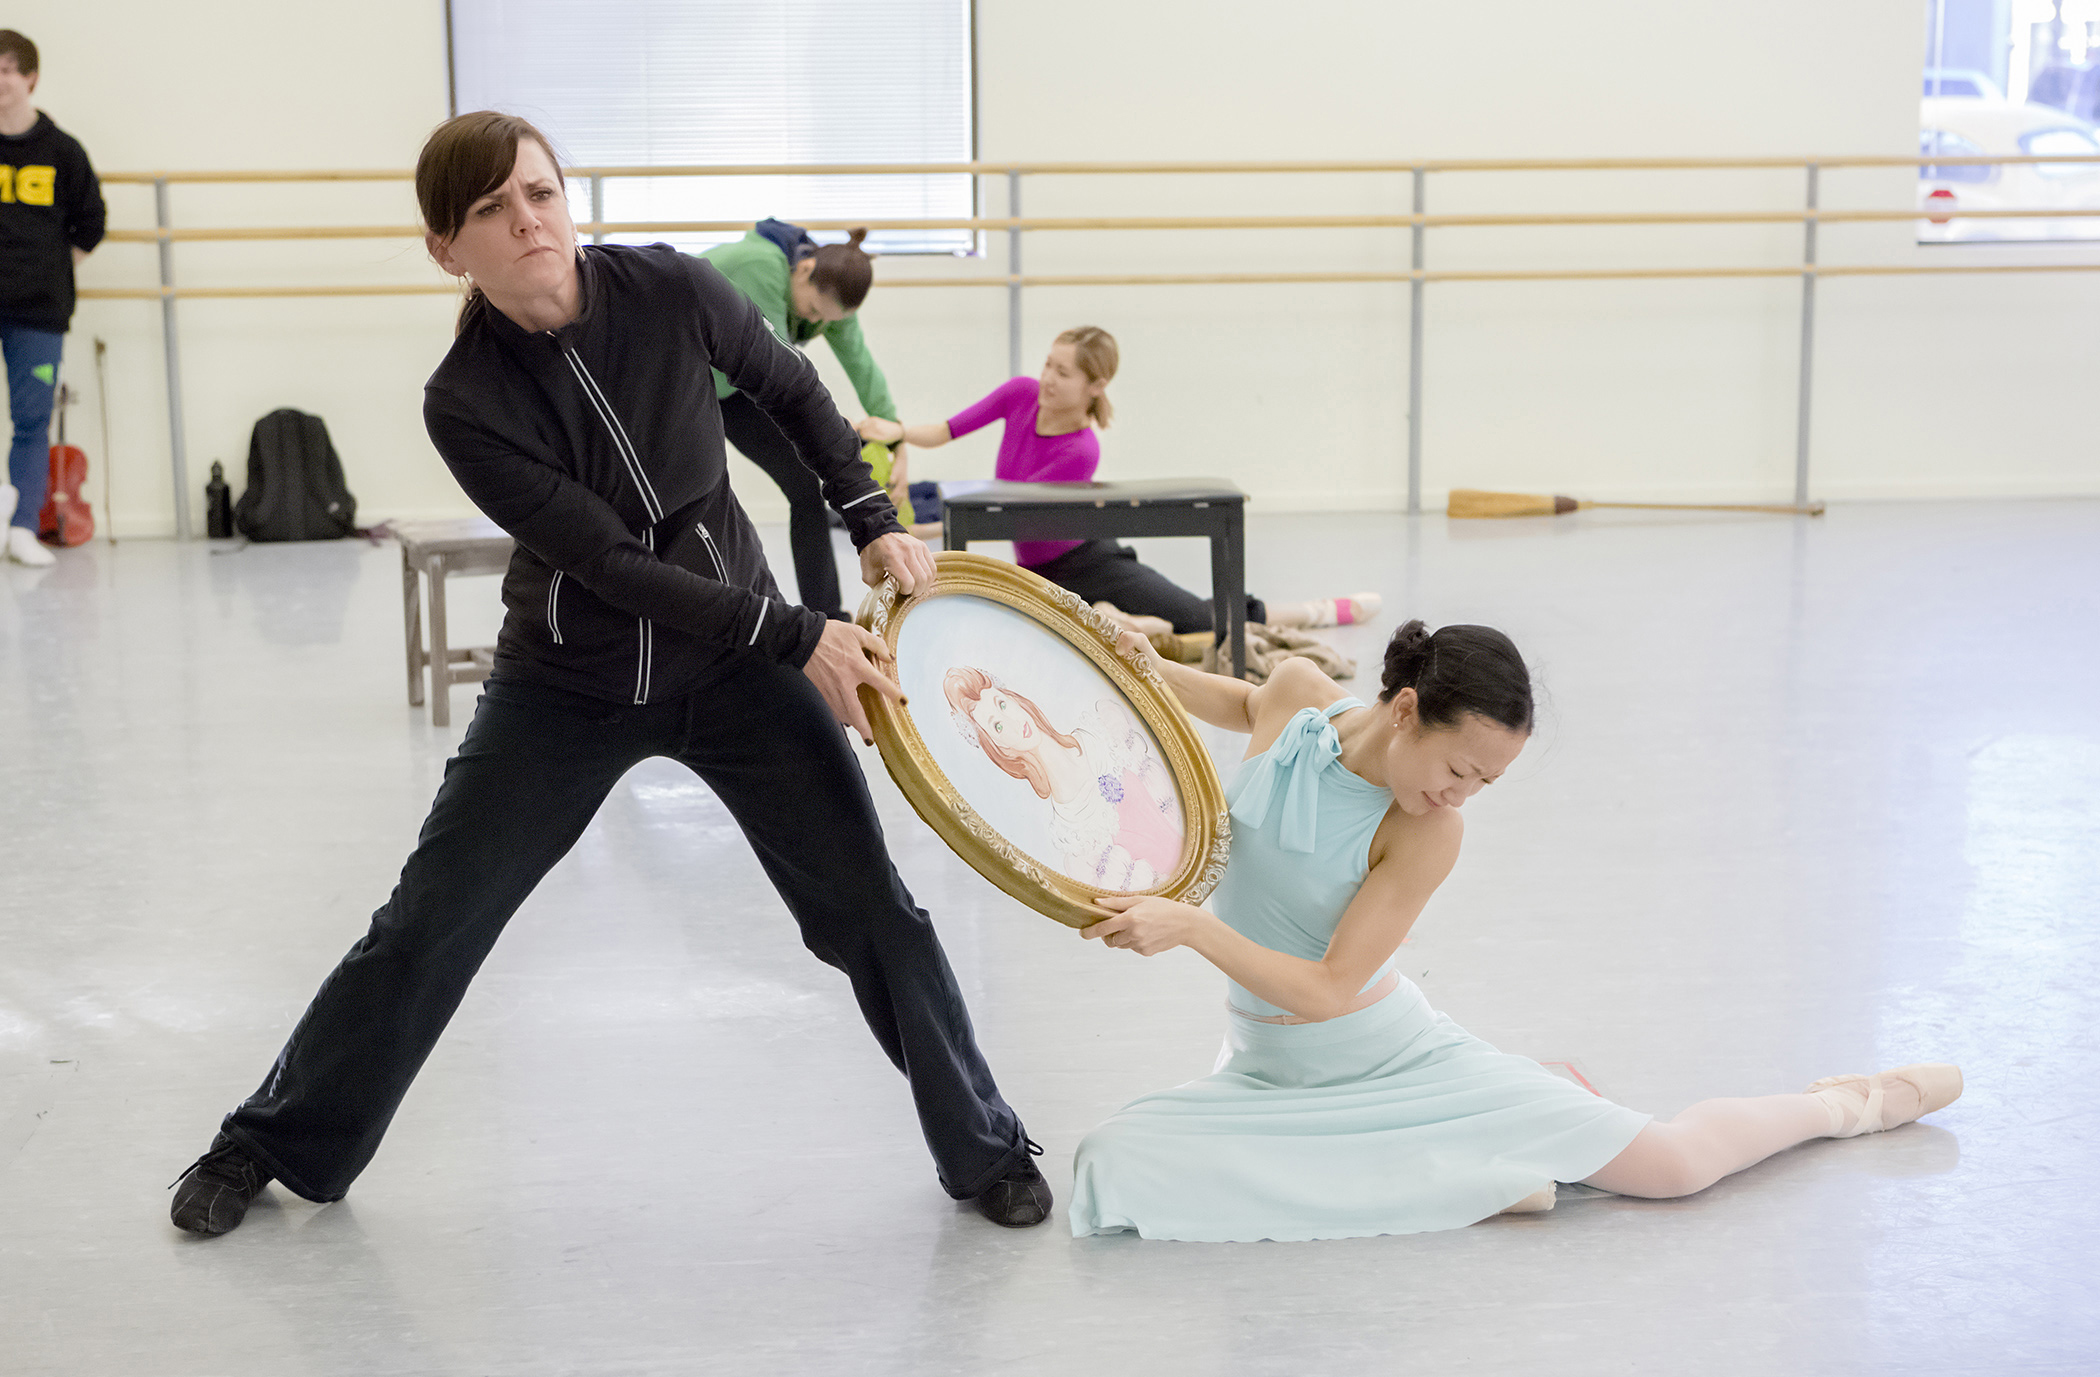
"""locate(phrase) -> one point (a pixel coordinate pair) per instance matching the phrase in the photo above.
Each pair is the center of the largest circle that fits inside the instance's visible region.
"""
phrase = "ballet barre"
(1417, 222)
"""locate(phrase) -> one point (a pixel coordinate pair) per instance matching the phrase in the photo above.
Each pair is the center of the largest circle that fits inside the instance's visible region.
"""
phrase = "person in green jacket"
(804, 290)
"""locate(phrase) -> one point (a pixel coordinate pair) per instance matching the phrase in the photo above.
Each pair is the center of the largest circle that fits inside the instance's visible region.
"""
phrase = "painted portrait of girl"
(1115, 818)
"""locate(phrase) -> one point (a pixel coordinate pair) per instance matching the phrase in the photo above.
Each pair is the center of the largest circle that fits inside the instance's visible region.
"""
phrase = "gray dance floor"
(1809, 797)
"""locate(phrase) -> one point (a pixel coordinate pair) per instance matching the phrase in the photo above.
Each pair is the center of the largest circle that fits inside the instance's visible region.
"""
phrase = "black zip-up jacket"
(50, 204)
(599, 447)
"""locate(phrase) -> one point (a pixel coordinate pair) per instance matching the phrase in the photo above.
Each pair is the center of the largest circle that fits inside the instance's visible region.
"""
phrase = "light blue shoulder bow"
(1310, 730)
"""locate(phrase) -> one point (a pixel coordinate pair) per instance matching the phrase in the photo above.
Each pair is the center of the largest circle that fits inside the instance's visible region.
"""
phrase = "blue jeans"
(32, 379)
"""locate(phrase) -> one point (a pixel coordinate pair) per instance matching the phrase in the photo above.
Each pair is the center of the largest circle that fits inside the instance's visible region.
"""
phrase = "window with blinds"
(726, 82)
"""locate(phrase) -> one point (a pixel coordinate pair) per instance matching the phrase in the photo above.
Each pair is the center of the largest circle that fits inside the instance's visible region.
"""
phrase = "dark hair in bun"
(844, 271)
(1458, 670)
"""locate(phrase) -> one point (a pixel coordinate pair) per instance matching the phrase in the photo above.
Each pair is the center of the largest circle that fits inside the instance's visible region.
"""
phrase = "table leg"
(1228, 581)
(952, 536)
(440, 650)
(412, 618)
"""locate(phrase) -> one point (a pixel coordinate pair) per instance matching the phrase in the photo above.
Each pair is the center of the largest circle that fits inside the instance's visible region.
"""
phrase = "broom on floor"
(1471, 502)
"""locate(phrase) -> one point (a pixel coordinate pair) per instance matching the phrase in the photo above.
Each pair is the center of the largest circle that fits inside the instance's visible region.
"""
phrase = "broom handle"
(1811, 509)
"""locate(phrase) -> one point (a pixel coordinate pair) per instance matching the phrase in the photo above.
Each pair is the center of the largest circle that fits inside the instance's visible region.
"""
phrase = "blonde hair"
(1094, 349)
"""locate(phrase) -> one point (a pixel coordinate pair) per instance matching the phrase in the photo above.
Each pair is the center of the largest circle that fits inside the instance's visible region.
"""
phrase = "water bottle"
(218, 505)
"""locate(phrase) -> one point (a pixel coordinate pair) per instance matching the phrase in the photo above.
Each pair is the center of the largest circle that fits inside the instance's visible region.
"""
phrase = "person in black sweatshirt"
(577, 409)
(51, 217)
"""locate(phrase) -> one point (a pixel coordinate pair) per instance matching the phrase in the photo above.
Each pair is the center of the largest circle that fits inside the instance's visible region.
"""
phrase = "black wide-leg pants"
(1109, 571)
(535, 764)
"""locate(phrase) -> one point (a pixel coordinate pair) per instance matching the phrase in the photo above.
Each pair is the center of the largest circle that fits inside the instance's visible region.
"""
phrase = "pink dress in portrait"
(1148, 830)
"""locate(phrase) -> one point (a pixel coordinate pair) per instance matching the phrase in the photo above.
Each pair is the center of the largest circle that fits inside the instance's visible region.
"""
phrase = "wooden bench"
(1207, 507)
(433, 551)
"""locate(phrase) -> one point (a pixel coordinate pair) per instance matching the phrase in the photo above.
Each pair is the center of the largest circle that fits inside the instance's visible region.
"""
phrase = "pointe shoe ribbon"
(1937, 1085)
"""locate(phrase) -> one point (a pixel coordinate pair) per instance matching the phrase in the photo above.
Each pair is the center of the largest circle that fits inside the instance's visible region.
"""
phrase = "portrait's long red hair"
(964, 685)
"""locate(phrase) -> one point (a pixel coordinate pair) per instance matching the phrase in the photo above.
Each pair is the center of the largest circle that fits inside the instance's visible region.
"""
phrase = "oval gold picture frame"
(1207, 829)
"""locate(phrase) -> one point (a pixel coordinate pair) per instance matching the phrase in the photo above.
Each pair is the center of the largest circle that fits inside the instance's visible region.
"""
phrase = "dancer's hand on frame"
(1139, 644)
(1145, 923)
(901, 557)
(844, 659)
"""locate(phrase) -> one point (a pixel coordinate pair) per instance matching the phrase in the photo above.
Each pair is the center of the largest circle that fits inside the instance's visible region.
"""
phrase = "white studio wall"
(1924, 386)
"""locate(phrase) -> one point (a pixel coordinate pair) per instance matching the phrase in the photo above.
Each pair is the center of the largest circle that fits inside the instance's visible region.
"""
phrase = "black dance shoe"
(1021, 1198)
(212, 1196)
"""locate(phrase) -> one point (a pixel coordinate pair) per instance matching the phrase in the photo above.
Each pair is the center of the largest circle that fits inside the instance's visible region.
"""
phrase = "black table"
(1207, 507)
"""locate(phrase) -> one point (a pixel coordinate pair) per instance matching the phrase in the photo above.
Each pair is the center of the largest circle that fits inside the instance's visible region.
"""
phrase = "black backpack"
(295, 482)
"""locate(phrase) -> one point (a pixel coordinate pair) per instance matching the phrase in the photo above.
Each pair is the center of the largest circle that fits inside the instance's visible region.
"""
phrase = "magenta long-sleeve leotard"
(1026, 457)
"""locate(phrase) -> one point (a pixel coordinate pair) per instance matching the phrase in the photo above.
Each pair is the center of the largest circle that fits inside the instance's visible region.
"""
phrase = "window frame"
(969, 244)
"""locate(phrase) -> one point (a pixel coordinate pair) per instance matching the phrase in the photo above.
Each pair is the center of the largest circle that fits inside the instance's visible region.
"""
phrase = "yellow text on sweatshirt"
(31, 185)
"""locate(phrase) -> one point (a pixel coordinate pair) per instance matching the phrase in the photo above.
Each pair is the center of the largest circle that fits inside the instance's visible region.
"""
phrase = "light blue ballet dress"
(1389, 1120)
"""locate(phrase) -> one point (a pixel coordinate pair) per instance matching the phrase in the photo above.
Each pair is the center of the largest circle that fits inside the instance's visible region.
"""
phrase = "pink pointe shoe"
(1863, 1098)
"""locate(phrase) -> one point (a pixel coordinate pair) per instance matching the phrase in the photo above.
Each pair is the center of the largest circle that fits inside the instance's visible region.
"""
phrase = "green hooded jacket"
(758, 268)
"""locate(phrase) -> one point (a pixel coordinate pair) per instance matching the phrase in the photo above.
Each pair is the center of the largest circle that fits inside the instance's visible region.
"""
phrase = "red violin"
(66, 518)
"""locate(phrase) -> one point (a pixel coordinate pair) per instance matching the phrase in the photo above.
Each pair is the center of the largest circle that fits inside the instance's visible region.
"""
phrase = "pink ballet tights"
(1712, 1139)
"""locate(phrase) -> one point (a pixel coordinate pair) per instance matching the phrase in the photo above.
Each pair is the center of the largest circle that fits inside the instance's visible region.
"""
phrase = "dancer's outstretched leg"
(527, 779)
(1717, 1138)
(775, 756)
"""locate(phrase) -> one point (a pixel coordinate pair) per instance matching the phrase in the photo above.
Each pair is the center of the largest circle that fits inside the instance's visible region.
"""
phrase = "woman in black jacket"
(576, 408)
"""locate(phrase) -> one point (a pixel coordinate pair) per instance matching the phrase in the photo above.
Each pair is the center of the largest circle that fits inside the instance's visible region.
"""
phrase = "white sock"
(24, 548)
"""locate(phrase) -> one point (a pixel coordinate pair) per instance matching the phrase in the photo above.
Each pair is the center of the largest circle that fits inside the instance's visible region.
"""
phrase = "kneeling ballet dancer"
(1343, 1105)
(576, 409)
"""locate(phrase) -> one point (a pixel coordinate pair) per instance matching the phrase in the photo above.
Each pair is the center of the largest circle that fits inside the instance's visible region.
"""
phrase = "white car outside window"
(2044, 142)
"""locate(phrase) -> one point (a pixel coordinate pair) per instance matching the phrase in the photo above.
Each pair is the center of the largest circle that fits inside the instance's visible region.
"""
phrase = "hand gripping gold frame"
(1206, 827)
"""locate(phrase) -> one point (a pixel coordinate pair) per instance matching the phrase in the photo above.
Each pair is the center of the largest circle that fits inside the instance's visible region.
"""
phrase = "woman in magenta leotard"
(1049, 438)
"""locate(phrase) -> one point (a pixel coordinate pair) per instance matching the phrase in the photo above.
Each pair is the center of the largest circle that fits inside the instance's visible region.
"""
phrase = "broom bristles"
(1472, 502)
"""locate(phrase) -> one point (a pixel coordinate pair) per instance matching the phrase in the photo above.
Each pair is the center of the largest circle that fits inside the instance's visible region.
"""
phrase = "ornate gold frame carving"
(1207, 826)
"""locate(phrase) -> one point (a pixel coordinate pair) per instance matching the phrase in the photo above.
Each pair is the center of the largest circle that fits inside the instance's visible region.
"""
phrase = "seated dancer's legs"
(769, 747)
(1712, 1139)
(1109, 571)
(530, 773)
(1717, 1138)
(809, 527)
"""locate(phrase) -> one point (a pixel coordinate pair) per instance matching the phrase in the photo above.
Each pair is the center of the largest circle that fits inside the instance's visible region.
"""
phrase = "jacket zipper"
(707, 538)
(621, 444)
(645, 640)
(645, 631)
